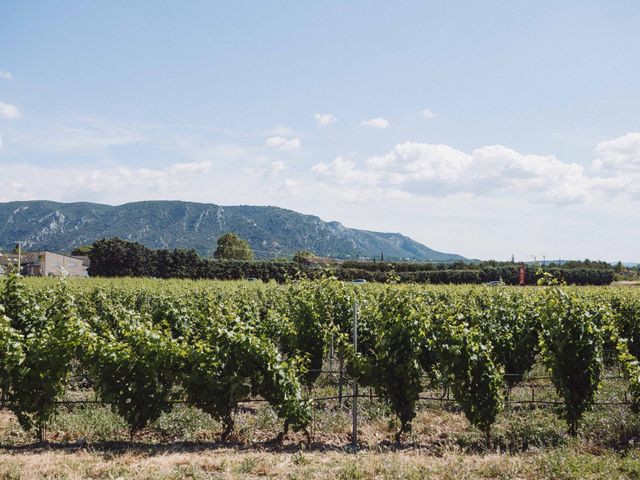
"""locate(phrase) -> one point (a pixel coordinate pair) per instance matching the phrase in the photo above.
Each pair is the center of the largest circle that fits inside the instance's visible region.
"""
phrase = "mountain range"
(271, 231)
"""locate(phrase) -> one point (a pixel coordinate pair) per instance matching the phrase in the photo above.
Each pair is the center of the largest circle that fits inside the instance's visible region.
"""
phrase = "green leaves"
(303, 305)
(510, 322)
(465, 360)
(230, 365)
(231, 246)
(11, 353)
(395, 367)
(146, 344)
(133, 366)
(572, 343)
(37, 348)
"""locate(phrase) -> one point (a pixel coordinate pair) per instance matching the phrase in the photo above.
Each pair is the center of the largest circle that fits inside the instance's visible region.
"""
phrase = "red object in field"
(522, 275)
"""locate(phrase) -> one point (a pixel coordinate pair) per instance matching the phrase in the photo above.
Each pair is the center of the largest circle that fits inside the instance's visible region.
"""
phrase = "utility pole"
(19, 257)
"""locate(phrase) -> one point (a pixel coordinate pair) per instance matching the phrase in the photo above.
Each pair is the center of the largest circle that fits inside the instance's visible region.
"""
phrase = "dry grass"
(92, 443)
(231, 464)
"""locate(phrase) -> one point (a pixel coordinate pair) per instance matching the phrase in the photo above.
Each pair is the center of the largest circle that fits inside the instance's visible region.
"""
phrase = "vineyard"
(143, 348)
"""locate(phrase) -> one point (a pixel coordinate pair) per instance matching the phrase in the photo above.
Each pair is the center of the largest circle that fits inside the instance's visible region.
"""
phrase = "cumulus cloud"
(376, 122)
(427, 114)
(283, 143)
(617, 168)
(440, 170)
(345, 172)
(324, 118)
(620, 154)
(8, 111)
(4, 75)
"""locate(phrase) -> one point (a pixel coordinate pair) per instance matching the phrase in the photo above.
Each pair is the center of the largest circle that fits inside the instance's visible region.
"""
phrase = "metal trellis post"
(354, 405)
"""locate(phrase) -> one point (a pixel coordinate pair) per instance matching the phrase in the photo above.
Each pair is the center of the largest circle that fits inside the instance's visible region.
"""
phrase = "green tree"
(114, 257)
(302, 256)
(232, 247)
(82, 251)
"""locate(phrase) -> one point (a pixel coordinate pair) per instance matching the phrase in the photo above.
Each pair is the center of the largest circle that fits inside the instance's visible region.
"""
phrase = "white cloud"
(123, 178)
(324, 118)
(435, 193)
(617, 168)
(287, 188)
(260, 171)
(427, 114)
(9, 111)
(620, 154)
(274, 168)
(4, 75)
(440, 170)
(345, 172)
(283, 143)
(124, 183)
(119, 182)
(97, 142)
(189, 168)
(1, 142)
(376, 122)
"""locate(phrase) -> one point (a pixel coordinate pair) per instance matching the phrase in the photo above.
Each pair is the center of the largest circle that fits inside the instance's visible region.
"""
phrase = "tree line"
(233, 260)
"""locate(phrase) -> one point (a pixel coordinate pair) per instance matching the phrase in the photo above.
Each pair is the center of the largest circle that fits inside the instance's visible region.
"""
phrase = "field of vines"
(144, 347)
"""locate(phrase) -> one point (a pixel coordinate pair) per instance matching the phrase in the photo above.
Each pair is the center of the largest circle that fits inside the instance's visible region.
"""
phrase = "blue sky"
(481, 128)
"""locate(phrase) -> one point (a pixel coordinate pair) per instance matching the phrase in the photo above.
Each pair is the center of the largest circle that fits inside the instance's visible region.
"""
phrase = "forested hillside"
(271, 231)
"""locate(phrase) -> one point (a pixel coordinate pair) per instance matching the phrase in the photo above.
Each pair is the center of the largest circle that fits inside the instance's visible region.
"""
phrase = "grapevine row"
(144, 344)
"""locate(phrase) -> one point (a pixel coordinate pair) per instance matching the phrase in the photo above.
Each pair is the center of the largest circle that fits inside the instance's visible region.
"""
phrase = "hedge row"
(119, 258)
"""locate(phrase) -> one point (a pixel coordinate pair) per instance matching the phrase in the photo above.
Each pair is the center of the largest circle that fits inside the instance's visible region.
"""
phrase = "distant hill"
(271, 231)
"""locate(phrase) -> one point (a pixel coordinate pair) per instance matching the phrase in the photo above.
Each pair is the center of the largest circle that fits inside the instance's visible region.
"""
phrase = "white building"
(47, 264)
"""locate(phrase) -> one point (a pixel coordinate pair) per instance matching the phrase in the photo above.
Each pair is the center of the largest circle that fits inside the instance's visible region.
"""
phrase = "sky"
(487, 129)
